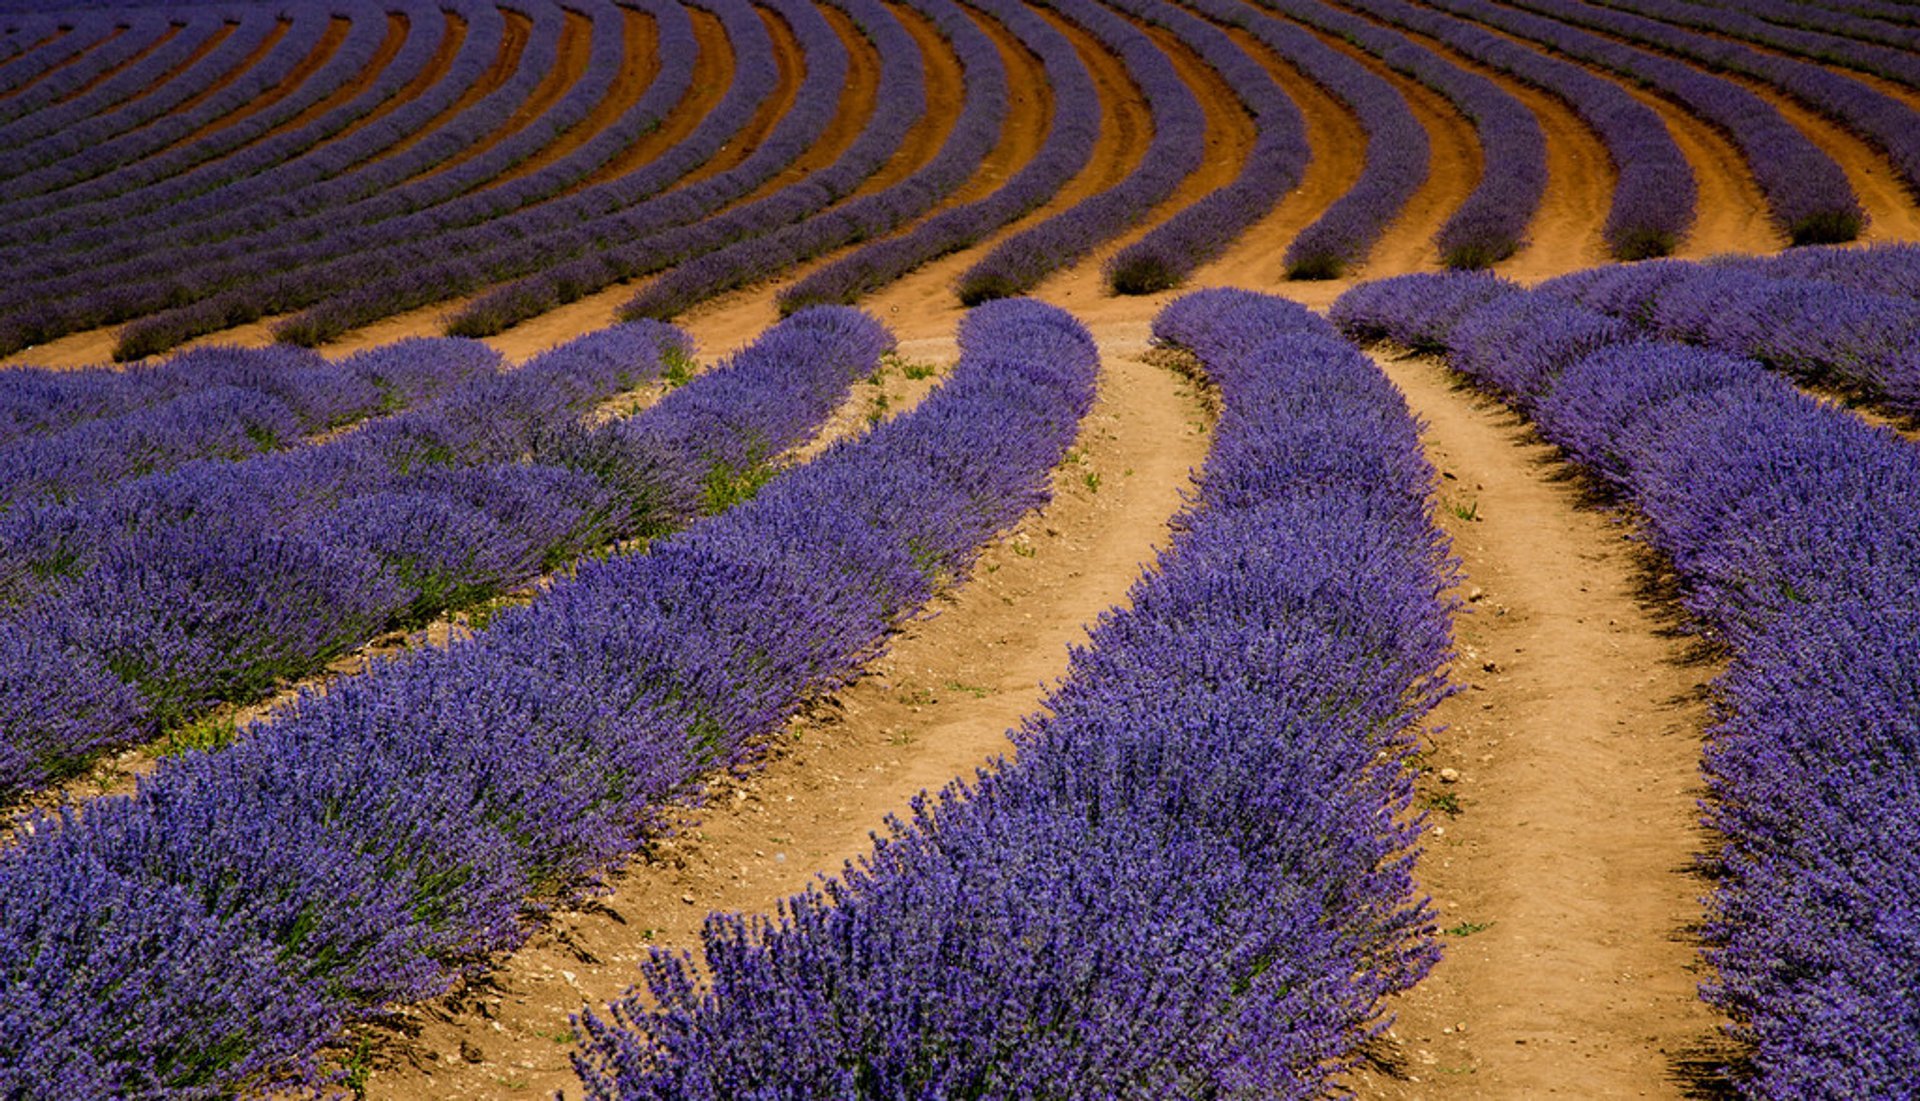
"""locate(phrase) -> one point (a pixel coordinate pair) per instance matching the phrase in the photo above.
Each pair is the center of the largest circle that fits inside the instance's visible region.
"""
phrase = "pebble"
(688, 899)
(1449, 775)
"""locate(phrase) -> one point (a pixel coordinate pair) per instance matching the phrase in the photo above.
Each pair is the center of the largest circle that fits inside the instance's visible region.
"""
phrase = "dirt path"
(937, 706)
(1029, 114)
(516, 30)
(712, 75)
(570, 64)
(1892, 213)
(323, 50)
(453, 35)
(640, 65)
(1562, 782)
(172, 30)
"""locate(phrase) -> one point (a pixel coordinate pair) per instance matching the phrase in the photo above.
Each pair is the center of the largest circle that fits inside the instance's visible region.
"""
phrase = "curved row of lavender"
(1807, 194)
(1847, 20)
(1892, 269)
(1858, 340)
(1194, 879)
(224, 403)
(375, 846)
(119, 152)
(261, 185)
(579, 240)
(1072, 128)
(132, 32)
(214, 274)
(405, 520)
(274, 266)
(1790, 524)
(84, 31)
(975, 131)
(1492, 223)
(1900, 62)
(1884, 121)
(150, 48)
(1174, 152)
(1274, 166)
(1654, 191)
(1397, 152)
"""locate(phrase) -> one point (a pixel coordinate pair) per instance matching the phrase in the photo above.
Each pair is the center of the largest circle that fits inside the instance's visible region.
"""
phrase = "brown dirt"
(104, 75)
(212, 43)
(640, 42)
(570, 64)
(57, 35)
(936, 706)
(712, 73)
(330, 40)
(1339, 148)
(1731, 210)
(77, 59)
(1563, 881)
(858, 97)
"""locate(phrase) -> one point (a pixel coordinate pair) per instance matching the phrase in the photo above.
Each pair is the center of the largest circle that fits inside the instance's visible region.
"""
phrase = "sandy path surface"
(936, 706)
(1562, 783)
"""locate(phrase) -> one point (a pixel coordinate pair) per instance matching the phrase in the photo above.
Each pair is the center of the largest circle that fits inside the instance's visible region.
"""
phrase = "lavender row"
(89, 38)
(968, 143)
(1071, 131)
(1654, 191)
(374, 846)
(1858, 340)
(802, 220)
(225, 403)
(1884, 121)
(1788, 523)
(234, 281)
(1274, 166)
(1807, 193)
(64, 98)
(1899, 63)
(257, 185)
(1191, 880)
(549, 235)
(1850, 21)
(1890, 269)
(1491, 224)
(132, 610)
(1397, 148)
(1175, 152)
(116, 152)
(260, 185)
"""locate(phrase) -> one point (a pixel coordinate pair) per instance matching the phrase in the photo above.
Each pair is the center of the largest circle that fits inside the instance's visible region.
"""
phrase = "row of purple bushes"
(1751, 24)
(1071, 131)
(1790, 525)
(1859, 340)
(210, 933)
(1807, 193)
(78, 92)
(1892, 269)
(1492, 223)
(1194, 879)
(1654, 190)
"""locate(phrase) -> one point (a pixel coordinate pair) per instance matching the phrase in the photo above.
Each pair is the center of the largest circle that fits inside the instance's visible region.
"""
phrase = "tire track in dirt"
(934, 707)
(1562, 783)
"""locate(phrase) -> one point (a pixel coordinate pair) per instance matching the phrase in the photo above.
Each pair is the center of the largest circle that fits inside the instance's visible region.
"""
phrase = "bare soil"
(330, 40)
(110, 72)
(1562, 783)
(641, 65)
(576, 40)
(712, 73)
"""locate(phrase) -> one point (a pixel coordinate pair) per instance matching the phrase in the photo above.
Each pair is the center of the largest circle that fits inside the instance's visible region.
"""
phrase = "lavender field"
(959, 548)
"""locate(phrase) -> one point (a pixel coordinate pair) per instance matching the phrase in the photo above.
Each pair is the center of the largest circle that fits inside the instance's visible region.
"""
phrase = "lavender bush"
(376, 844)
(1193, 879)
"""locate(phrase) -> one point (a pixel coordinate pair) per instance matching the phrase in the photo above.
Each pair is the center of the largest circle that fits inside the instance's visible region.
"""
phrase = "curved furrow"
(1491, 224)
(1072, 129)
(1808, 191)
(1271, 165)
(165, 219)
(1653, 201)
(24, 36)
(117, 153)
(1831, 19)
